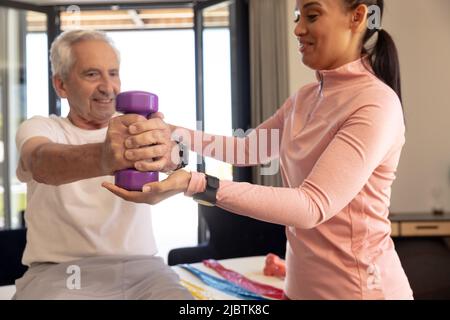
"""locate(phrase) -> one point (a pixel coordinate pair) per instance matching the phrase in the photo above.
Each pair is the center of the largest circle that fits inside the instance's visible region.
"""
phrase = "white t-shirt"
(78, 219)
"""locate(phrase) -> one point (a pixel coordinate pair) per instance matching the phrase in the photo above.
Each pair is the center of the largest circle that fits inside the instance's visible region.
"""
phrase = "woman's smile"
(304, 46)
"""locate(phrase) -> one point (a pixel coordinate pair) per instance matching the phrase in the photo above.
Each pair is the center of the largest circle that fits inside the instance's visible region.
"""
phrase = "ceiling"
(121, 18)
(75, 2)
(126, 19)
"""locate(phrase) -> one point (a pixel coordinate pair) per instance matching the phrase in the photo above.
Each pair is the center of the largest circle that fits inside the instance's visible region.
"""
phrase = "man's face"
(92, 84)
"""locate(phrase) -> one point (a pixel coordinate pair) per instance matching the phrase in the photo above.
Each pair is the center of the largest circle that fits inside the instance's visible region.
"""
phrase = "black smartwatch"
(208, 197)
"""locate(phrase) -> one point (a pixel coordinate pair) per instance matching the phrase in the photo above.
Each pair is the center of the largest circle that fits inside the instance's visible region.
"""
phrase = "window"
(217, 82)
(157, 54)
(23, 93)
(162, 62)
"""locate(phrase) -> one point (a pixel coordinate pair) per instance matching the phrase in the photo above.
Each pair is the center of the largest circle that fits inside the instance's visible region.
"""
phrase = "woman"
(340, 144)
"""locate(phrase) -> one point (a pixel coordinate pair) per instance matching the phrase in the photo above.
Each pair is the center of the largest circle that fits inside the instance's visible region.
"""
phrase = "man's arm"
(55, 164)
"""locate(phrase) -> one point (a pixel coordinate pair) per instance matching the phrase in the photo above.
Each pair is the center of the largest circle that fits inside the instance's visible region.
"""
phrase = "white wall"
(421, 30)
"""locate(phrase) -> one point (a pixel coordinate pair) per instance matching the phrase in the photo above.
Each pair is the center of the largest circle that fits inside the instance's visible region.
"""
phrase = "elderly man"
(82, 241)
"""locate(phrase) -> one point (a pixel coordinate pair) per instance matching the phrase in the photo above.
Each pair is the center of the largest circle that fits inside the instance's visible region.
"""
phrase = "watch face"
(204, 203)
(213, 182)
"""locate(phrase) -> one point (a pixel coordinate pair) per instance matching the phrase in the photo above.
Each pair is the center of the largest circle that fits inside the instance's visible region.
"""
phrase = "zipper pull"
(321, 85)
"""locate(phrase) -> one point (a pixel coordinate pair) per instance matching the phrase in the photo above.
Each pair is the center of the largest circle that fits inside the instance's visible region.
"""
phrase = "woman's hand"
(154, 192)
(150, 146)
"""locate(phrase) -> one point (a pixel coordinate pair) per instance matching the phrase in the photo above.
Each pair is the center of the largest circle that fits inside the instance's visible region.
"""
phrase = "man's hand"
(113, 149)
(150, 146)
(154, 192)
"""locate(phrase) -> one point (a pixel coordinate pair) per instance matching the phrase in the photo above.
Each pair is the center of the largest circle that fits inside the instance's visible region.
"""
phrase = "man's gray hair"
(61, 56)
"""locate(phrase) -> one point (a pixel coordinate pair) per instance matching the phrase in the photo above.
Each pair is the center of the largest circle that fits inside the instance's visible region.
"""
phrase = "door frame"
(240, 81)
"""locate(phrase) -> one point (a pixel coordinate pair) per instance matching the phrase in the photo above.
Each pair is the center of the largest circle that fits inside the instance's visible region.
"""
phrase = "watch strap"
(209, 195)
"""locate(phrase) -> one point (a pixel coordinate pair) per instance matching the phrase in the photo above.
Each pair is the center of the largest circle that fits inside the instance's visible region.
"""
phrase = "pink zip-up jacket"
(340, 144)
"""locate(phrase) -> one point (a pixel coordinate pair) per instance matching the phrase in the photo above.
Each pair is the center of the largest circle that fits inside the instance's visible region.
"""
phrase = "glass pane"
(24, 93)
(163, 62)
(217, 81)
(157, 55)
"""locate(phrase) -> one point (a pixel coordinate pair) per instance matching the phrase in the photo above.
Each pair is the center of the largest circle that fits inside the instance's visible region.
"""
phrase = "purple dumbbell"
(143, 103)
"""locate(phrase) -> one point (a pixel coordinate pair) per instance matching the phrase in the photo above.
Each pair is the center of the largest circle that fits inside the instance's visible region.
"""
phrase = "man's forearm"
(57, 164)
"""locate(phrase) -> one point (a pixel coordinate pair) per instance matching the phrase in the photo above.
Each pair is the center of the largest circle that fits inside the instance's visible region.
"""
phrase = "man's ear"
(359, 18)
(60, 86)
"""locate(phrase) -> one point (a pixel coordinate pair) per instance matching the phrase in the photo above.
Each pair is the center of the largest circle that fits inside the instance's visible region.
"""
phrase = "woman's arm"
(258, 146)
(341, 172)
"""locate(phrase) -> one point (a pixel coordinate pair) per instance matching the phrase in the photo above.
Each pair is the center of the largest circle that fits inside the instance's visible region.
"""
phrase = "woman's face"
(324, 31)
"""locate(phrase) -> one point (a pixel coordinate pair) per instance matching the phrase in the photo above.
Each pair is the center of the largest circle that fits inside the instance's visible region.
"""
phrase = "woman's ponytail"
(383, 56)
(385, 62)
